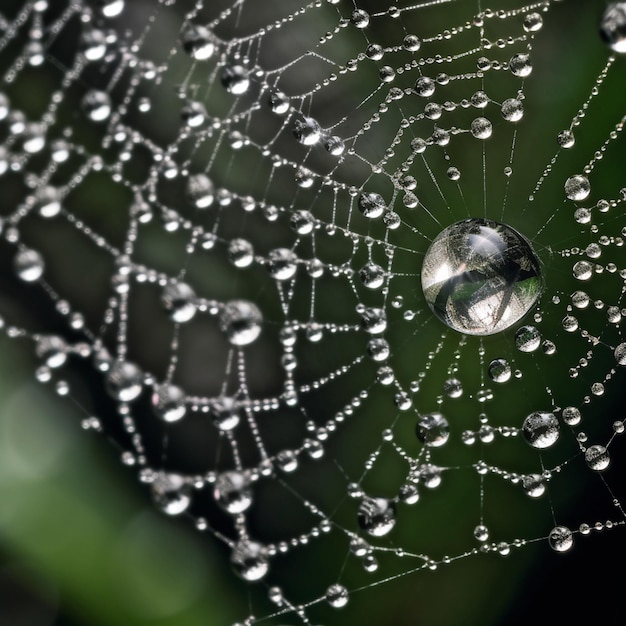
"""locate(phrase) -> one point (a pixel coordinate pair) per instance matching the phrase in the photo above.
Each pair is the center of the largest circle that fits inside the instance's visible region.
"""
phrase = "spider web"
(214, 222)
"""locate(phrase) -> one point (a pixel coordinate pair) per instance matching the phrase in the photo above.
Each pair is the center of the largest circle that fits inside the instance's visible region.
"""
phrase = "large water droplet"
(597, 458)
(561, 539)
(377, 516)
(480, 277)
(613, 26)
(168, 402)
(171, 493)
(124, 381)
(250, 560)
(28, 265)
(179, 299)
(235, 79)
(232, 492)
(337, 596)
(541, 429)
(241, 321)
(97, 105)
(198, 42)
(433, 430)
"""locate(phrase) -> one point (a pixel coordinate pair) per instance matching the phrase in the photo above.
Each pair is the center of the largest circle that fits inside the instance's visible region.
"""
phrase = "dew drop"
(480, 277)
(28, 265)
(433, 430)
(337, 596)
(235, 79)
(179, 299)
(124, 381)
(241, 321)
(527, 339)
(499, 370)
(561, 539)
(232, 492)
(249, 560)
(377, 516)
(97, 105)
(597, 458)
(171, 494)
(168, 403)
(541, 429)
(613, 26)
(577, 188)
(198, 42)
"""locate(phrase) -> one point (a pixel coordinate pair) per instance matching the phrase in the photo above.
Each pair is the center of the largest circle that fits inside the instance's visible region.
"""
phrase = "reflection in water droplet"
(480, 277)
(377, 516)
(541, 429)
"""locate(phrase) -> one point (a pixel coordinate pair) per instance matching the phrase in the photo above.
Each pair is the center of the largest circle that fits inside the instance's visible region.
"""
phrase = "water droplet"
(28, 265)
(372, 275)
(453, 388)
(200, 191)
(360, 18)
(620, 354)
(527, 339)
(597, 458)
(433, 430)
(52, 350)
(307, 131)
(541, 429)
(279, 103)
(425, 87)
(613, 26)
(512, 110)
(235, 79)
(430, 475)
(566, 139)
(533, 22)
(124, 381)
(337, 596)
(168, 402)
(480, 277)
(241, 321)
(377, 516)
(194, 114)
(198, 42)
(48, 201)
(533, 485)
(372, 205)
(577, 188)
(481, 128)
(520, 65)
(412, 43)
(111, 8)
(93, 44)
(582, 270)
(571, 416)
(240, 253)
(282, 263)
(226, 414)
(561, 539)
(171, 494)
(232, 492)
(499, 370)
(250, 560)
(481, 533)
(97, 105)
(179, 299)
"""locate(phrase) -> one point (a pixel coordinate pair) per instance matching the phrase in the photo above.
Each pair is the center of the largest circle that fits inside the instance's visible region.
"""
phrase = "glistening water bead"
(480, 277)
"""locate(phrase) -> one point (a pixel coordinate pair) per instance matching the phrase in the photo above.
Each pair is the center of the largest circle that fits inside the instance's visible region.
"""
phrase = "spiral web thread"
(217, 214)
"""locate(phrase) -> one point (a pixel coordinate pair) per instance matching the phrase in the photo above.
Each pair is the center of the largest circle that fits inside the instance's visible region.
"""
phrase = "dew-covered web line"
(244, 225)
